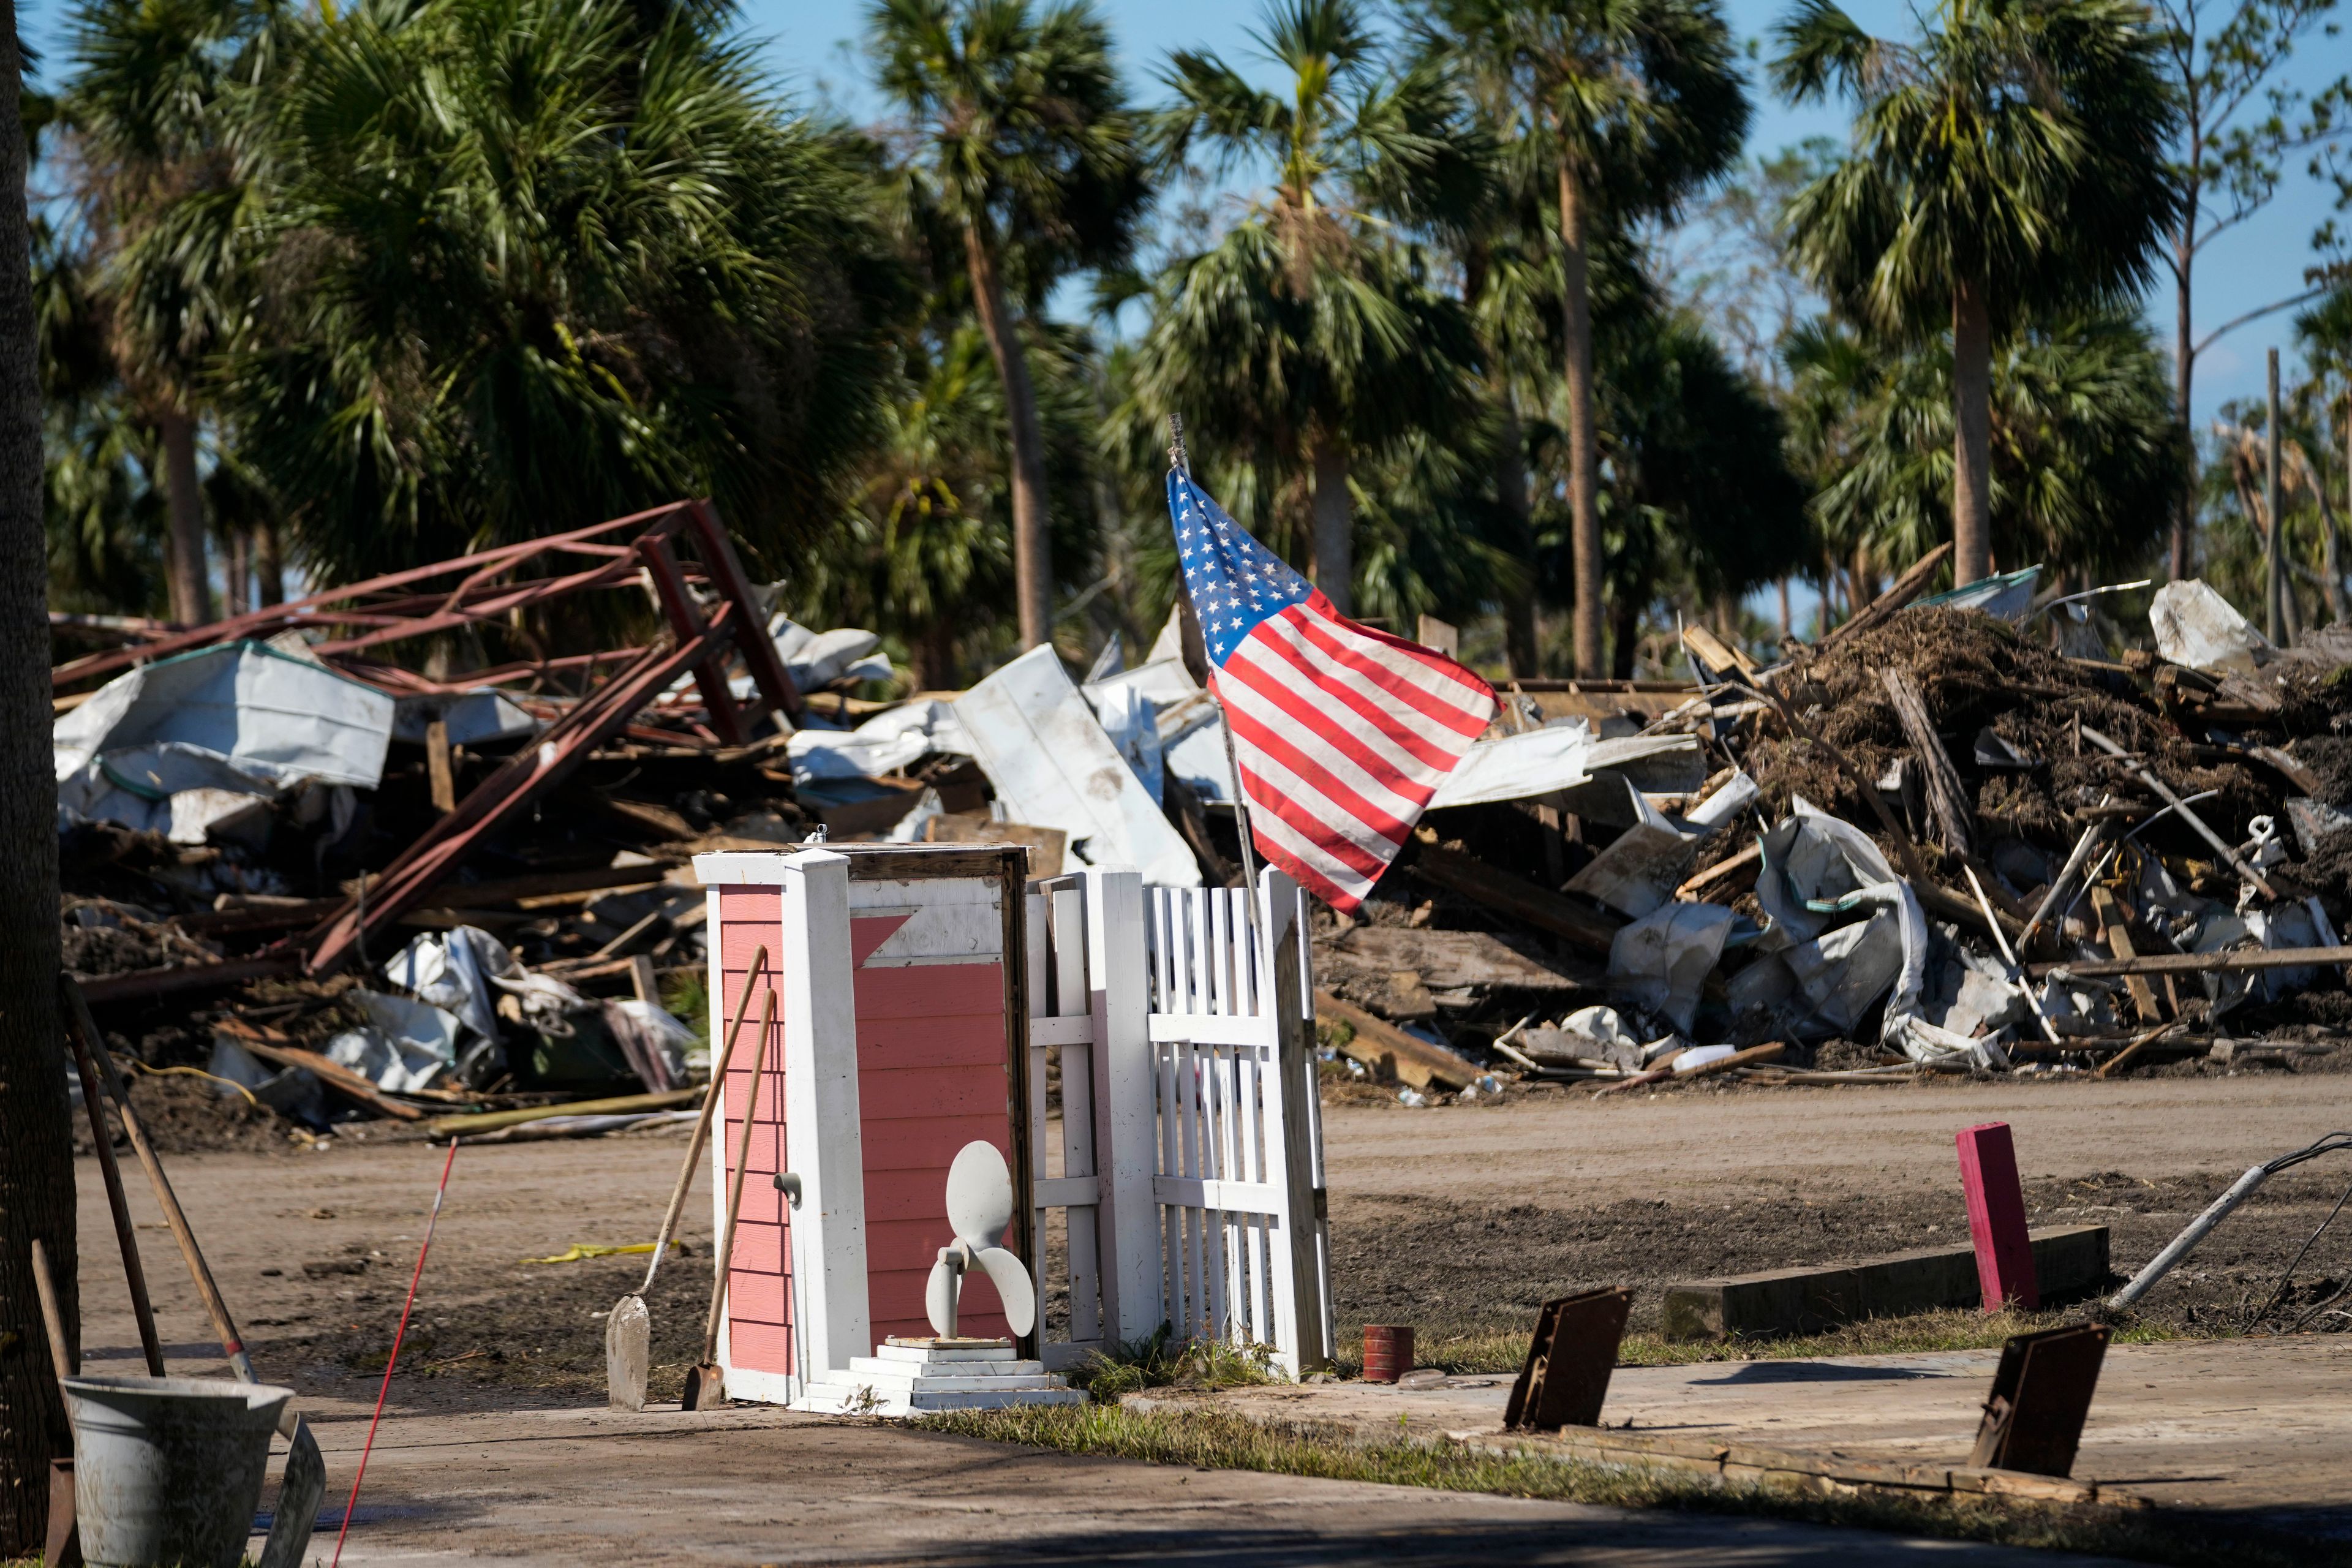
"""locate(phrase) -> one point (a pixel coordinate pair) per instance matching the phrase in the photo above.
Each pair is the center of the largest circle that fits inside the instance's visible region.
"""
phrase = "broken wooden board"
(1517, 898)
(1448, 960)
(1384, 1047)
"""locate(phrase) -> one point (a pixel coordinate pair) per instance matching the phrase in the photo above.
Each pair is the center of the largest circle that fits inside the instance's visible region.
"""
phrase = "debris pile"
(344, 886)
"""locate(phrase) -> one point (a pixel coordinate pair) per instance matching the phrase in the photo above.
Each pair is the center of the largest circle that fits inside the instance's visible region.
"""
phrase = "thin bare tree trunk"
(1033, 554)
(268, 565)
(1971, 435)
(1785, 631)
(37, 1178)
(2184, 372)
(1583, 446)
(1334, 544)
(192, 598)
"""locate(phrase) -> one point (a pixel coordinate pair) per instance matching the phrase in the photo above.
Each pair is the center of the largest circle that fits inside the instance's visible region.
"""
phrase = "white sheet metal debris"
(269, 715)
(1052, 765)
(2196, 627)
(1638, 871)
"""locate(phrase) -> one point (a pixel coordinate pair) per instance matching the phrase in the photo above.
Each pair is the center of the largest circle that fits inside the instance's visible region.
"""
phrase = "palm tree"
(535, 262)
(2083, 444)
(1029, 150)
(1640, 103)
(147, 109)
(36, 1175)
(2012, 162)
(1306, 336)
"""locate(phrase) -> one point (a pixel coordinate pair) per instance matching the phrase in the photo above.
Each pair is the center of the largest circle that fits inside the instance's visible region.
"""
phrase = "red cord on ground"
(394, 1360)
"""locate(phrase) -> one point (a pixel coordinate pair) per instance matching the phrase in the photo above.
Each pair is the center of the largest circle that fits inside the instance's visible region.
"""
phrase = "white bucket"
(169, 1469)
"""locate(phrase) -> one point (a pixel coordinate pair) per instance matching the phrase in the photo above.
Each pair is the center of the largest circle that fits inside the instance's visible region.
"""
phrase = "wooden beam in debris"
(2199, 962)
(1907, 587)
(1516, 897)
(1946, 793)
(1381, 1045)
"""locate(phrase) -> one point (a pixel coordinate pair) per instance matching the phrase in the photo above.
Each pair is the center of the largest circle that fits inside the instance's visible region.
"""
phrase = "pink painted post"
(1997, 1217)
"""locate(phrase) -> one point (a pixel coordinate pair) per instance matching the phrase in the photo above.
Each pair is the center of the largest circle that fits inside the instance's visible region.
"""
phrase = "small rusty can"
(1387, 1351)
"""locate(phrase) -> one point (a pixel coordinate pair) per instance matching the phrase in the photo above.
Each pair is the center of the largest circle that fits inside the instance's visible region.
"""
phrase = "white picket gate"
(1190, 1162)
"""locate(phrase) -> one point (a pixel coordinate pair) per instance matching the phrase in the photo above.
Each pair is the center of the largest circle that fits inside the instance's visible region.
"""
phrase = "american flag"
(1342, 733)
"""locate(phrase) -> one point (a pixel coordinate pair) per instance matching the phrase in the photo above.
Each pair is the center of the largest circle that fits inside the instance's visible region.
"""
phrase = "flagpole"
(1180, 461)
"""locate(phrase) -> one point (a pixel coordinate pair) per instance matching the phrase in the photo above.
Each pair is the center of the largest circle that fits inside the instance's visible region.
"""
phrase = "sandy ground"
(1460, 1216)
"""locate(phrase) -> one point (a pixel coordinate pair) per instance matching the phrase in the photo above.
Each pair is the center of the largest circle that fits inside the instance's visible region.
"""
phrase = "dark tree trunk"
(1519, 642)
(1334, 545)
(191, 592)
(268, 565)
(1625, 630)
(1971, 435)
(1033, 552)
(1583, 446)
(36, 1179)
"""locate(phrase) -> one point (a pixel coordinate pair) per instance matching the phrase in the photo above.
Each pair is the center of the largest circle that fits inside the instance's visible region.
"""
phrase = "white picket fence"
(1189, 1164)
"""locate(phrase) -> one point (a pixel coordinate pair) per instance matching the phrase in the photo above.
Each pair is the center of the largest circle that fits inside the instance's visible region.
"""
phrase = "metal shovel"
(706, 1385)
(629, 1331)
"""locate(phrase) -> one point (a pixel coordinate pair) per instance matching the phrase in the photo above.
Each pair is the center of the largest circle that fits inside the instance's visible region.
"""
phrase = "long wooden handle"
(53, 1319)
(735, 1188)
(702, 1122)
(77, 1017)
(126, 1236)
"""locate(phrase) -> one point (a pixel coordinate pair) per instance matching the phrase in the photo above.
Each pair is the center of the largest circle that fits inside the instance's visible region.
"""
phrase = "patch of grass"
(1221, 1440)
(1471, 1351)
(1158, 1360)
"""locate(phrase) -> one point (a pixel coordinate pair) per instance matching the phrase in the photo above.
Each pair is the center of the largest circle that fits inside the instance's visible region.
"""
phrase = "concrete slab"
(767, 1487)
(2247, 1427)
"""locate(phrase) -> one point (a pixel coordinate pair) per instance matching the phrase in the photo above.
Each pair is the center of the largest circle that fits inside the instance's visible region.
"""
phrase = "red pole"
(394, 1360)
(1997, 1217)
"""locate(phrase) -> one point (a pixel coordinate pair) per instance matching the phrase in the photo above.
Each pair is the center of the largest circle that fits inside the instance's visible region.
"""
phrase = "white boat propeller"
(980, 1207)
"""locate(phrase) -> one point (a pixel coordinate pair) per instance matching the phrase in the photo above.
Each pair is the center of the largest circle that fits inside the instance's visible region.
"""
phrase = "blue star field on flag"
(1234, 581)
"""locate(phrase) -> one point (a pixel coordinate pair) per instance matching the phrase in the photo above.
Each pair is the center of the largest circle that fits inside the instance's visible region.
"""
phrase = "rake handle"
(702, 1122)
(735, 1187)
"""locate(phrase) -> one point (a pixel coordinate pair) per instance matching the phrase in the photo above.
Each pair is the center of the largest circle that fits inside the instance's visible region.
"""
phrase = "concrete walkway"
(2257, 1428)
(758, 1486)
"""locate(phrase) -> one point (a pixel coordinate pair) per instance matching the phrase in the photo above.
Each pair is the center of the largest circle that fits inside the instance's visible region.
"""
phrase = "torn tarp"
(883, 744)
(1818, 868)
(1659, 962)
(464, 971)
(1052, 765)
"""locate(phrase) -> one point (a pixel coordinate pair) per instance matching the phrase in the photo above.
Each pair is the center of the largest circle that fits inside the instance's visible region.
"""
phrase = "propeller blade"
(980, 1194)
(940, 1299)
(1013, 1288)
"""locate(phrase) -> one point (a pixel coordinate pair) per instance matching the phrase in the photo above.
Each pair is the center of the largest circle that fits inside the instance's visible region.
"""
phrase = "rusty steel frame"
(641, 549)
(618, 552)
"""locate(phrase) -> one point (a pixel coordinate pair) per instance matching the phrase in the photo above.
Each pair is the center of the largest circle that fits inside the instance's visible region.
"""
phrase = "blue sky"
(815, 43)
(815, 46)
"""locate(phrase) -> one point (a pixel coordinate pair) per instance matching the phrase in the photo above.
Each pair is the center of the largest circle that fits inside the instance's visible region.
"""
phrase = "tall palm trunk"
(1334, 566)
(1520, 645)
(1033, 557)
(191, 591)
(37, 1178)
(1971, 435)
(1583, 449)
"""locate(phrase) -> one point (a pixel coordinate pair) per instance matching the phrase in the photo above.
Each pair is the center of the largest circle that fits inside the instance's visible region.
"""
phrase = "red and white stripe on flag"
(1342, 734)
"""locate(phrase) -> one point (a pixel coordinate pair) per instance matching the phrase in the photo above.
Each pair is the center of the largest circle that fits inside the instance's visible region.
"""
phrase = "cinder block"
(2068, 1261)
